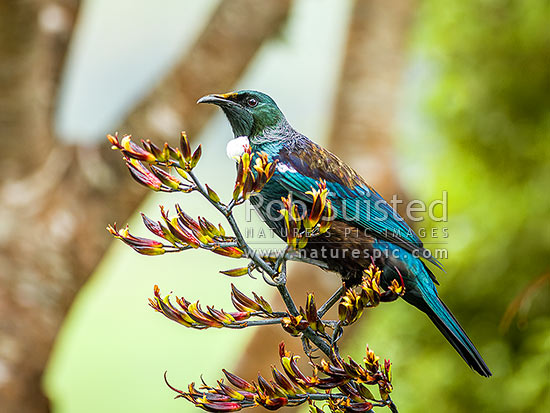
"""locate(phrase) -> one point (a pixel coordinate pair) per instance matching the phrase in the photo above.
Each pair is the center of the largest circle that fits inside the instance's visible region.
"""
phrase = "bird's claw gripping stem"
(268, 279)
(280, 280)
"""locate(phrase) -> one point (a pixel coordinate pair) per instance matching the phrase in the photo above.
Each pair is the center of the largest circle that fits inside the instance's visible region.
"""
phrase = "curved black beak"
(220, 100)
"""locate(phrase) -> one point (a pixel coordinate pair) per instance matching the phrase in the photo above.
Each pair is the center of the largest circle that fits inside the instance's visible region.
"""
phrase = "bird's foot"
(268, 279)
(276, 281)
(280, 279)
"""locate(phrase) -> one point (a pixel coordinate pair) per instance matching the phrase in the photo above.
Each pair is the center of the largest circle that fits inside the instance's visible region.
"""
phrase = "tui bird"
(365, 229)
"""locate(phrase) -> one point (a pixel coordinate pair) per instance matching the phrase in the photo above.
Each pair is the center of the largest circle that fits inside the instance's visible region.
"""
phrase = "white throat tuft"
(236, 147)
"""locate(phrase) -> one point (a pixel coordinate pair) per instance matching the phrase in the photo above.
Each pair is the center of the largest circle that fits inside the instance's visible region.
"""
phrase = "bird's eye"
(251, 102)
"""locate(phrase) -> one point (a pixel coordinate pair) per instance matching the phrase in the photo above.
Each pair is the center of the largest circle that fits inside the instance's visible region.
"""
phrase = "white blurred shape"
(53, 19)
(119, 51)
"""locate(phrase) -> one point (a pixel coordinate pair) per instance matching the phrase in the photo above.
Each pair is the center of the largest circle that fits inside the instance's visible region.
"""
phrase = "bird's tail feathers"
(454, 333)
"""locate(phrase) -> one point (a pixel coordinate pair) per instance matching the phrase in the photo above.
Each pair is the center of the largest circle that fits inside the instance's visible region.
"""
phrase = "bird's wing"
(302, 166)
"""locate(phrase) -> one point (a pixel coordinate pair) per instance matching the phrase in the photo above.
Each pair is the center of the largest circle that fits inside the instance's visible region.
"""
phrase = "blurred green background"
(471, 116)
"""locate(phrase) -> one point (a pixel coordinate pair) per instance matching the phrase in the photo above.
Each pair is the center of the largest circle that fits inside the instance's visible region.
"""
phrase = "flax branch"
(345, 386)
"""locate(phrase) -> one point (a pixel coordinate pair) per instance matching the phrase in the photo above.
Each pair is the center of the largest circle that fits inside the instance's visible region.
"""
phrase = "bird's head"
(249, 112)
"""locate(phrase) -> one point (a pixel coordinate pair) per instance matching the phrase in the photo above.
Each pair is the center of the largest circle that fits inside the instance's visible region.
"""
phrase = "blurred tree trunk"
(370, 84)
(362, 135)
(55, 199)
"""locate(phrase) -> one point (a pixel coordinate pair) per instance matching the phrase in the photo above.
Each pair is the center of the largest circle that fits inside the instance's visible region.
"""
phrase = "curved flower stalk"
(192, 315)
(180, 233)
(144, 246)
(339, 385)
(154, 177)
(342, 386)
(152, 154)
